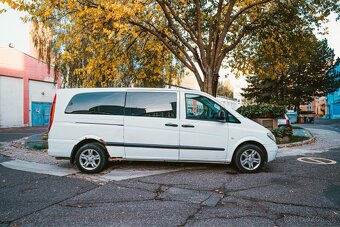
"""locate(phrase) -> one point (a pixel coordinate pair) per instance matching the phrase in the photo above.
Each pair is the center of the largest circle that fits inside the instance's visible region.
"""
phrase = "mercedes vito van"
(95, 125)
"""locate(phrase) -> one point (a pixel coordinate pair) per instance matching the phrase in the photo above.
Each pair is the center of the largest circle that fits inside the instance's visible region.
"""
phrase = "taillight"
(52, 112)
(287, 122)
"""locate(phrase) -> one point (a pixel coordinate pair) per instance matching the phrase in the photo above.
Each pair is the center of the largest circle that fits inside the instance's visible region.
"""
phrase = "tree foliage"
(93, 37)
(262, 111)
(92, 48)
(287, 68)
(297, 83)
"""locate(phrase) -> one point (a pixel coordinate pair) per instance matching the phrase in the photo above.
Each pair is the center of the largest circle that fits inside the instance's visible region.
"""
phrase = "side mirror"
(221, 116)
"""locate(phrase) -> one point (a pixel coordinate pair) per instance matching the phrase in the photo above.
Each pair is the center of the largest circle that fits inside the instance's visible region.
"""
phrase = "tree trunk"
(297, 107)
(207, 85)
(210, 83)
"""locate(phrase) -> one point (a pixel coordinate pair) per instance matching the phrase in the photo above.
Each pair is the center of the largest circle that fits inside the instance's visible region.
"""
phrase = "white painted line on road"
(124, 174)
(39, 168)
(317, 161)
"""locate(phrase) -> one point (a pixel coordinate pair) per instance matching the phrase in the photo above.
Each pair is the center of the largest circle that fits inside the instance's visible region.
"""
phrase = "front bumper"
(271, 151)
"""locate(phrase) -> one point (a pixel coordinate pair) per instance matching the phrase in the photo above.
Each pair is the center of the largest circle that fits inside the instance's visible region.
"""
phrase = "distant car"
(283, 121)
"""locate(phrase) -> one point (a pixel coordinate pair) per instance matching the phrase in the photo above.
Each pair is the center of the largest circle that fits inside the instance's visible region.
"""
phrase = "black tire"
(95, 155)
(252, 157)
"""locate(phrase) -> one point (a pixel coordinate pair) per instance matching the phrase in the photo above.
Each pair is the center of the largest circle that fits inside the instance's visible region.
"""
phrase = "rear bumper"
(271, 151)
(60, 148)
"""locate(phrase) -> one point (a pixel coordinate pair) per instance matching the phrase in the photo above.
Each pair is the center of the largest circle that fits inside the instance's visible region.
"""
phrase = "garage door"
(41, 113)
(41, 95)
(11, 102)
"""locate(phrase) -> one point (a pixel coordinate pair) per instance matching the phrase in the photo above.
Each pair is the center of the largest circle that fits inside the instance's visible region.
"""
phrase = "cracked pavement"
(286, 192)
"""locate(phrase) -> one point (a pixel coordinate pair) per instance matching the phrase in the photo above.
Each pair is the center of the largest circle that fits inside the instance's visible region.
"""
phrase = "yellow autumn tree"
(93, 48)
(95, 36)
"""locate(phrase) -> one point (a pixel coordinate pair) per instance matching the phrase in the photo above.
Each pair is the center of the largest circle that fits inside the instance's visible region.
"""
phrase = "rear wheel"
(249, 158)
(91, 158)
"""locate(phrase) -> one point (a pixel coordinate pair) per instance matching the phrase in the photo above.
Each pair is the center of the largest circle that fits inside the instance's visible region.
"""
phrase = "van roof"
(121, 89)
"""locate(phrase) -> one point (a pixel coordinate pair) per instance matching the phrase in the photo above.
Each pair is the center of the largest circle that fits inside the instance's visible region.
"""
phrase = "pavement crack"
(125, 186)
(191, 217)
(288, 204)
(50, 205)
(237, 217)
(95, 204)
(180, 186)
(159, 192)
(245, 189)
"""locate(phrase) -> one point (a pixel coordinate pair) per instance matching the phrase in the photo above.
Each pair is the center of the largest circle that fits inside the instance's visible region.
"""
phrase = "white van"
(92, 126)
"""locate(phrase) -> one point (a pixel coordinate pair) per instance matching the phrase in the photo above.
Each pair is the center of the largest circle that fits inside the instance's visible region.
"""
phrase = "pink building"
(26, 89)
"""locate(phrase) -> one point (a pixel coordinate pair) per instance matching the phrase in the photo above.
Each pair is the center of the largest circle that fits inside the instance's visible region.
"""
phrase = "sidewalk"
(325, 140)
(327, 121)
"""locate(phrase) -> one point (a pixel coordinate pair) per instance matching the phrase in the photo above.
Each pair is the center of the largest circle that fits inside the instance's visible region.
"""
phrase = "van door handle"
(171, 125)
(188, 126)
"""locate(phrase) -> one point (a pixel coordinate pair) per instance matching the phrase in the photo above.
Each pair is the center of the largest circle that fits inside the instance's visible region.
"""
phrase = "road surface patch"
(124, 174)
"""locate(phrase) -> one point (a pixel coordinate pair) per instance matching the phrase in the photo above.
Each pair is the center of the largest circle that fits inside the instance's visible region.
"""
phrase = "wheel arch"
(82, 143)
(253, 142)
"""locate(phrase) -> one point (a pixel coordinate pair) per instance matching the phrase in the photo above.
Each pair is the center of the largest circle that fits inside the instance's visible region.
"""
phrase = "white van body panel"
(148, 138)
(201, 140)
(74, 128)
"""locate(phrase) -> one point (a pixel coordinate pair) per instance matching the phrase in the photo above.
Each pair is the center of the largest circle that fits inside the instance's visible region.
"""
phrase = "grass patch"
(294, 139)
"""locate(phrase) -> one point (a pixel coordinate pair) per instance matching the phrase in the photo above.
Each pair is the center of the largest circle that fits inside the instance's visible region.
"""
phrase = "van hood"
(254, 125)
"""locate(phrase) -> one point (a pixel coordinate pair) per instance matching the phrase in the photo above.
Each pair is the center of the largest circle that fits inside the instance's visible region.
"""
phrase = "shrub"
(262, 111)
(282, 132)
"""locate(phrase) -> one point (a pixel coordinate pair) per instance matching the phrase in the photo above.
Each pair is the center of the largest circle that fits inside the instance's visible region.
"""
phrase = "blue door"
(41, 113)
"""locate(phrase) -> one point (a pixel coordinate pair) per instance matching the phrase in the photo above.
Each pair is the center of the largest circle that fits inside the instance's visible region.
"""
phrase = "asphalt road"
(10, 134)
(286, 192)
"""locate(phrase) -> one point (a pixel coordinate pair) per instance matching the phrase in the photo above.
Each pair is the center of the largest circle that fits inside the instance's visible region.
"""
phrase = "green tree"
(305, 78)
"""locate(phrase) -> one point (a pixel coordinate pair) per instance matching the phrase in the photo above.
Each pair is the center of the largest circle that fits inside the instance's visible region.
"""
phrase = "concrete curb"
(36, 167)
(36, 141)
(309, 141)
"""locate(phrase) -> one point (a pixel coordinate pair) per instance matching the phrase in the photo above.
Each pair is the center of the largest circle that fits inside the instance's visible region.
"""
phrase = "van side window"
(199, 107)
(151, 104)
(100, 103)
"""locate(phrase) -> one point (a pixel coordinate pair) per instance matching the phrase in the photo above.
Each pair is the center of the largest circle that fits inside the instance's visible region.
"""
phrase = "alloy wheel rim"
(89, 159)
(250, 159)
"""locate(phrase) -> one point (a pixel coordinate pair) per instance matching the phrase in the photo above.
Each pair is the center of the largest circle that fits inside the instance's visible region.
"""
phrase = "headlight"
(271, 136)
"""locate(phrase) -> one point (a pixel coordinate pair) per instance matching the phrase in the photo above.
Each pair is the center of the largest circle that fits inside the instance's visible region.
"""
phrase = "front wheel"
(91, 158)
(249, 158)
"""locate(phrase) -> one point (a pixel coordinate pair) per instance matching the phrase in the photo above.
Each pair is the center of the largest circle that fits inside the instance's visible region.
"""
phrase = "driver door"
(202, 136)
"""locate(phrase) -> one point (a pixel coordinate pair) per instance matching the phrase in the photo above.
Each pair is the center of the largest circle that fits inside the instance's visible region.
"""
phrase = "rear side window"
(100, 103)
(151, 104)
